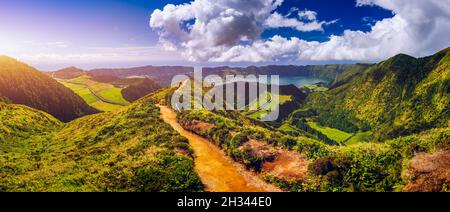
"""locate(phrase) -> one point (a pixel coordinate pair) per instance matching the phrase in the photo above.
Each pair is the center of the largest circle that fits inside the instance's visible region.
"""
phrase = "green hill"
(19, 122)
(128, 150)
(67, 73)
(22, 84)
(134, 88)
(400, 96)
(139, 88)
(111, 93)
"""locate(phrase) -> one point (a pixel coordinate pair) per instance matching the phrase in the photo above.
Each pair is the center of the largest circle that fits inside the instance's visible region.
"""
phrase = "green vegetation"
(81, 85)
(22, 84)
(362, 109)
(289, 99)
(359, 137)
(365, 167)
(90, 98)
(428, 141)
(103, 106)
(114, 95)
(83, 92)
(333, 134)
(315, 88)
(105, 90)
(22, 122)
(230, 135)
(131, 149)
(138, 88)
(282, 99)
(356, 167)
(400, 96)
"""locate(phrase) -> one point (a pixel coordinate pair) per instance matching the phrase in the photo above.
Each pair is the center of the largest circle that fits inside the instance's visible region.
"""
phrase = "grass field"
(316, 88)
(331, 133)
(113, 94)
(258, 114)
(359, 137)
(82, 91)
(107, 91)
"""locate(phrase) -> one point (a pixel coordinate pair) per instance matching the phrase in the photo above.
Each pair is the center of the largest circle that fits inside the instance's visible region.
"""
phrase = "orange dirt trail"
(217, 171)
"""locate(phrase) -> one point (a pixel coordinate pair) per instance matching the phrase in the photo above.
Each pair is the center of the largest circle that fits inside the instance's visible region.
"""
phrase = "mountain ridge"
(400, 95)
(22, 84)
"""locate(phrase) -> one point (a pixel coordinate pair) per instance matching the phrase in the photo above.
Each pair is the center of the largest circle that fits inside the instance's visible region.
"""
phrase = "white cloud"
(308, 15)
(204, 29)
(213, 25)
(229, 31)
(276, 20)
(97, 56)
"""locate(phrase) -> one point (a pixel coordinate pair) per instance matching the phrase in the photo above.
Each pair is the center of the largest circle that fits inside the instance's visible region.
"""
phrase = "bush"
(360, 168)
(171, 174)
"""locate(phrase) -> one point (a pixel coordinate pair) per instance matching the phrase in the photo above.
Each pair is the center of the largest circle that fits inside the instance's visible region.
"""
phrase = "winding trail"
(216, 170)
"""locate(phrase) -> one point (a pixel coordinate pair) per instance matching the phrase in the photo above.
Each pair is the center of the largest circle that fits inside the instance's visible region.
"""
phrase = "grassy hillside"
(110, 88)
(134, 88)
(128, 150)
(339, 160)
(19, 122)
(358, 167)
(22, 84)
(400, 96)
(140, 88)
(90, 98)
(105, 90)
(333, 134)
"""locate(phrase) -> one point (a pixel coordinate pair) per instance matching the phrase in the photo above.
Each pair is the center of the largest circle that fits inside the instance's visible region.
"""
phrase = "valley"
(372, 128)
(101, 96)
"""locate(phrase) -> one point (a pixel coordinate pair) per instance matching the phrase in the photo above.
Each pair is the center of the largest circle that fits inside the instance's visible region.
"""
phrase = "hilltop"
(67, 73)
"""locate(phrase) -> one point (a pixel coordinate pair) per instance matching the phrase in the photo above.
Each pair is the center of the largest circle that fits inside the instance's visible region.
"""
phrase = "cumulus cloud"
(277, 20)
(229, 31)
(308, 15)
(204, 28)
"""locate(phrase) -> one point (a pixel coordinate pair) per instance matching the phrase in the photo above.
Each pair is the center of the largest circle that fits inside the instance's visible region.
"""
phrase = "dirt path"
(217, 171)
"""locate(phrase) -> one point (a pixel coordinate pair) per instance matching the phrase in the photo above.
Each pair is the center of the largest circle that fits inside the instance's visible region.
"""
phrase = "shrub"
(360, 168)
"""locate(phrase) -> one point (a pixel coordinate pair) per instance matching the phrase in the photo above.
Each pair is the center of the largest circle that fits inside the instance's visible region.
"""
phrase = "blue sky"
(348, 16)
(52, 34)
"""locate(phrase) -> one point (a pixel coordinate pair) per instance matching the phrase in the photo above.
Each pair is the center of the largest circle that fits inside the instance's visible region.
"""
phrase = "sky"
(52, 34)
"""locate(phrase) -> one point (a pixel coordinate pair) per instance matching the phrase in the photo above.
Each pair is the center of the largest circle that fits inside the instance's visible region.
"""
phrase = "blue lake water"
(300, 81)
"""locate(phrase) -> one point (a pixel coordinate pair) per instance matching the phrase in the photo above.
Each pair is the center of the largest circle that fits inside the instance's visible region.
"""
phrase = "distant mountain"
(290, 99)
(22, 84)
(400, 96)
(67, 73)
(164, 74)
(134, 88)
